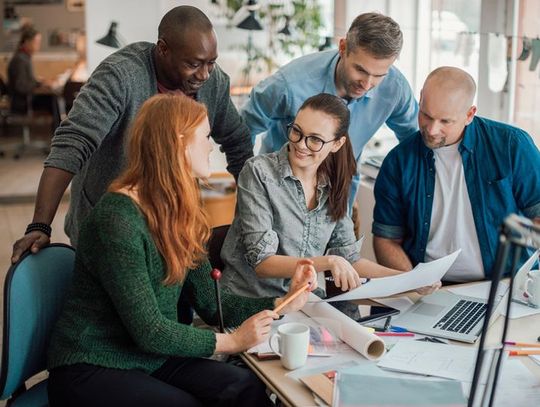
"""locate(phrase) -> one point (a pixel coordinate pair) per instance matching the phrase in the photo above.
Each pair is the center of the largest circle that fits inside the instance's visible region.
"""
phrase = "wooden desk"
(293, 393)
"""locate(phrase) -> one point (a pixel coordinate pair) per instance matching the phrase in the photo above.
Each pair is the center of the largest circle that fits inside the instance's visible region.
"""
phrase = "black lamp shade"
(285, 30)
(111, 39)
(250, 23)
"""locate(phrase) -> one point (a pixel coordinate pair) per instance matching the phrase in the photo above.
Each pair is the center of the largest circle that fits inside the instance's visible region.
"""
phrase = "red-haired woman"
(118, 341)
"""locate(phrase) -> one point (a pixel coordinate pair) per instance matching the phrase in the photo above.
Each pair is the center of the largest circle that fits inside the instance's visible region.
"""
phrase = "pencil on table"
(523, 344)
(292, 297)
(524, 352)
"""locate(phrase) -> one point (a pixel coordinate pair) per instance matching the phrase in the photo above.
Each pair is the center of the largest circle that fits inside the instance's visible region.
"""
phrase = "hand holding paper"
(424, 274)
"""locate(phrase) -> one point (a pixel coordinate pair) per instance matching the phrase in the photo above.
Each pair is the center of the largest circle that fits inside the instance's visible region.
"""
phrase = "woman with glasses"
(293, 204)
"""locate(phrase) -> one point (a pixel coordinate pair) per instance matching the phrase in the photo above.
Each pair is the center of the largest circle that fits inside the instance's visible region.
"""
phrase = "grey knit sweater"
(90, 142)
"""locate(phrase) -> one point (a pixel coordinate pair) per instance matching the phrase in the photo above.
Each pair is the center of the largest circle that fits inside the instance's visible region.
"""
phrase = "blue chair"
(34, 292)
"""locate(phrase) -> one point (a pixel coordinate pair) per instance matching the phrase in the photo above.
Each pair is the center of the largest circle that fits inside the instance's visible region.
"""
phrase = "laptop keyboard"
(462, 317)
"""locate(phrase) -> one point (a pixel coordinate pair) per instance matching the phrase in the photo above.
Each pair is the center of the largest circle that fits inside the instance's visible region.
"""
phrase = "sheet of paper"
(432, 359)
(516, 386)
(422, 275)
(535, 358)
(520, 311)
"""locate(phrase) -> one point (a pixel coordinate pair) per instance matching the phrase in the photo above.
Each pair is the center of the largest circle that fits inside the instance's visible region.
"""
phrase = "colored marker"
(524, 352)
(394, 333)
(523, 344)
(394, 328)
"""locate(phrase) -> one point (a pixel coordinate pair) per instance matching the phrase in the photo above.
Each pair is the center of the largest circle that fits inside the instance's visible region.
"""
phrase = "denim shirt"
(272, 218)
(502, 173)
(274, 102)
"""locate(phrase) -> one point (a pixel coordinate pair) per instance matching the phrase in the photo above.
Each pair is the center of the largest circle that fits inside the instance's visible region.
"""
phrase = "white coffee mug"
(293, 344)
(532, 288)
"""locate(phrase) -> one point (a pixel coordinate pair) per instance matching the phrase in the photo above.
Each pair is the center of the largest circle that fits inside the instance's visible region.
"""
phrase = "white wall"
(137, 21)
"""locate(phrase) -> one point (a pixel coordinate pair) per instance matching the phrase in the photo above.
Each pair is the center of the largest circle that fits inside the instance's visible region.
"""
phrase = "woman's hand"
(253, 331)
(429, 289)
(305, 273)
(344, 274)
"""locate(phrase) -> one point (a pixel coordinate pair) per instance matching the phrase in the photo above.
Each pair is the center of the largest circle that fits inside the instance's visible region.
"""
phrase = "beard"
(431, 144)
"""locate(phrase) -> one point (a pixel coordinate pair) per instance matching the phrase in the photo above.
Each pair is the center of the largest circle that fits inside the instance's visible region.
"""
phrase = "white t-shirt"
(452, 223)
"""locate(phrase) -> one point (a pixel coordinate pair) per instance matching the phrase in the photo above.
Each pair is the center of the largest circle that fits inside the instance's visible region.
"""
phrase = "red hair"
(159, 171)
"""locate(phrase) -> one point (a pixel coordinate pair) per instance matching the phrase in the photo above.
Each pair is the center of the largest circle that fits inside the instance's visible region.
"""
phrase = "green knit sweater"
(118, 313)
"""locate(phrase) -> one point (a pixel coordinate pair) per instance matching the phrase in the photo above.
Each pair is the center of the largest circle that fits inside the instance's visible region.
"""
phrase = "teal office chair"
(34, 292)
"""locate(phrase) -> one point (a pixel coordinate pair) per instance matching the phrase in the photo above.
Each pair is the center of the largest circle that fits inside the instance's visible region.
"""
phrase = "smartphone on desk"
(377, 313)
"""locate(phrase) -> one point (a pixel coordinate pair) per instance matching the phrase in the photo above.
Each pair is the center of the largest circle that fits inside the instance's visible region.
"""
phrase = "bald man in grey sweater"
(88, 146)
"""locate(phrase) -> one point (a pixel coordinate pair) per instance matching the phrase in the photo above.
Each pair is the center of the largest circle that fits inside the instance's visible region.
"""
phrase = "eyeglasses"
(313, 143)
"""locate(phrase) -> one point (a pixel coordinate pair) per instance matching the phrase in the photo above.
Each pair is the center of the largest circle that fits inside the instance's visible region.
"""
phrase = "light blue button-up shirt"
(274, 102)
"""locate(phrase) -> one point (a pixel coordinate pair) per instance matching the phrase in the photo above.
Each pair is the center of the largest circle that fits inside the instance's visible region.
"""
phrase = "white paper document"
(432, 359)
(423, 274)
(517, 386)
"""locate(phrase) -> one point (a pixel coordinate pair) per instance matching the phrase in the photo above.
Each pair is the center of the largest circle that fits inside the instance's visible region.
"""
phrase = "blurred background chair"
(185, 312)
(34, 293)
(25, 121)
(70, 92)
(214, 246)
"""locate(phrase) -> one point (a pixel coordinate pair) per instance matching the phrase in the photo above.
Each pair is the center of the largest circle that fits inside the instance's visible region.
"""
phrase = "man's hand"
(429, 289)
(32, 241)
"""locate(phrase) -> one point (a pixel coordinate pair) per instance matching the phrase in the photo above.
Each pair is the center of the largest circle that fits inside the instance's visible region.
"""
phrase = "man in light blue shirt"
(360, 72)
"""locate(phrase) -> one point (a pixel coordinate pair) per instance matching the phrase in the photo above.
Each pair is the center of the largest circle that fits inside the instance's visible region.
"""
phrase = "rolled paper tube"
(349, 331)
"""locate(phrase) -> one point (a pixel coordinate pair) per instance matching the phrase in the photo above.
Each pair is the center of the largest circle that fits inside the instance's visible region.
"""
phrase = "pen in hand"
(292, 297)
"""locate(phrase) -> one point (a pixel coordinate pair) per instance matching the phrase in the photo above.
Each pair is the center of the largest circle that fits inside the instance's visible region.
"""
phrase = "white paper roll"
(349, 331)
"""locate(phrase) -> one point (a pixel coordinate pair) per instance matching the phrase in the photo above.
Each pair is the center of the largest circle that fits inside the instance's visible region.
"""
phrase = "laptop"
(452, 316)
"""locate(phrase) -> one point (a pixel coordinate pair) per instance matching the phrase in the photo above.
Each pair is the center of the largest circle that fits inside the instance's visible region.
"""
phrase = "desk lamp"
(516, 232)
(111, 39)
(250, 23)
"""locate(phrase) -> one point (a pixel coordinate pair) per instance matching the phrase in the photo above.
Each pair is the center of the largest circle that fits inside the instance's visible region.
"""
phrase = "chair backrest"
(3, 87)
(214, 246)
(71, 90)
(34, 292)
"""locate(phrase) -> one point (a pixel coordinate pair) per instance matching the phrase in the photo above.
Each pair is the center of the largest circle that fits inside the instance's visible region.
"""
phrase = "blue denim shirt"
(274, 102)
(502, 173)
(272, 218)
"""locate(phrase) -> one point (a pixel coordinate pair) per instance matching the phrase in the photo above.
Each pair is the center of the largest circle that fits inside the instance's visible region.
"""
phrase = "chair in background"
(34, 292)
(214, 246)
(71, 90)
(4, 108)
(185, 312)
(25, 121)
